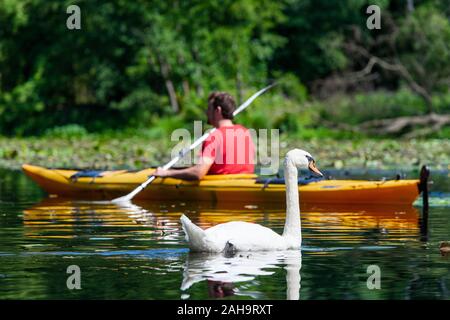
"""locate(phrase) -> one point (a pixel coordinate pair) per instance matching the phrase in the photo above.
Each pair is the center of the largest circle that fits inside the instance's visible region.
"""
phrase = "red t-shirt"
(232, 150)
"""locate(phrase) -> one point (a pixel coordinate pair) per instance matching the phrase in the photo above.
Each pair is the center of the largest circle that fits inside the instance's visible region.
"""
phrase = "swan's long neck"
(292, 227)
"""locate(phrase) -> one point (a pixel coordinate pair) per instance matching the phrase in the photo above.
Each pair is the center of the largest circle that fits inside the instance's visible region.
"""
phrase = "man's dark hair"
(225, 101)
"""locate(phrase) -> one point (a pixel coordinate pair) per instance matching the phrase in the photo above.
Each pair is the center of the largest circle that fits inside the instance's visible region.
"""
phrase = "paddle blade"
(131, 195)
(126, 198)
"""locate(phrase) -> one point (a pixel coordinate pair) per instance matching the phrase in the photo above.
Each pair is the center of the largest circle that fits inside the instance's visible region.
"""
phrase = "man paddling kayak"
(228, 150)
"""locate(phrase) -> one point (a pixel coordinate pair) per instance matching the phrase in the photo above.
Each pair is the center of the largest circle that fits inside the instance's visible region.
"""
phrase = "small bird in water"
(444, 247)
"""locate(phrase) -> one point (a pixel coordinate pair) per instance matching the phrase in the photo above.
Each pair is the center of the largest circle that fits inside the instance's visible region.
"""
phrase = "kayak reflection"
(66, 218)
(223, 273)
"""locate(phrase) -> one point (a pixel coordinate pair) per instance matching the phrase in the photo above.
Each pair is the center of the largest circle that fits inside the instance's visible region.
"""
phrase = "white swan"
(244, 236)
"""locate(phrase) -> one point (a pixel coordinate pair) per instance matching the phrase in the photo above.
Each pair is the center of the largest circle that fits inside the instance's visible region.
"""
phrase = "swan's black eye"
(309, 158)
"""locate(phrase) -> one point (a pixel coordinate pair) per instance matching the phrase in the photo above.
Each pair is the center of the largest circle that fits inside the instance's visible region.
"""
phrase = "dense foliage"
(139, 64)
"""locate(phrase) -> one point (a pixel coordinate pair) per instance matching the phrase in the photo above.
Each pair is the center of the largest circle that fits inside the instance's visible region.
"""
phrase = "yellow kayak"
(219, 188)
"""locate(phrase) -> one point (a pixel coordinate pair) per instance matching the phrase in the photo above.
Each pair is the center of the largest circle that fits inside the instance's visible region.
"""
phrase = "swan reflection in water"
(222, 273)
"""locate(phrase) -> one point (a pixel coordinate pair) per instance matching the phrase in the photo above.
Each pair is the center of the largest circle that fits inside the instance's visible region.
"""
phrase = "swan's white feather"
(245, 236)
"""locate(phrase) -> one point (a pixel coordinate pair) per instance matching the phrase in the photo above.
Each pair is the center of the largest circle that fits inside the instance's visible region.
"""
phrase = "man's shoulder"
(235, 127)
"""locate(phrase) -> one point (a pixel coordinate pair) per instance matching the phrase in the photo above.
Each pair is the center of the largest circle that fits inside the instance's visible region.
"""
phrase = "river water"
(139, 251)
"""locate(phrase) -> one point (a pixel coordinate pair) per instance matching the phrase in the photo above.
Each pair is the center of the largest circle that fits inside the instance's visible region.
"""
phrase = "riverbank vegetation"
(139, 151)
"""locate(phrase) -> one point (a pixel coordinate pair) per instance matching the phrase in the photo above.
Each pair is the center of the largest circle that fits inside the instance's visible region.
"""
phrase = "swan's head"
(302, 159)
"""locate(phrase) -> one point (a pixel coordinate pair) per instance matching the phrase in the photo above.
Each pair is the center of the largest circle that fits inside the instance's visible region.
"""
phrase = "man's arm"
(196, 172)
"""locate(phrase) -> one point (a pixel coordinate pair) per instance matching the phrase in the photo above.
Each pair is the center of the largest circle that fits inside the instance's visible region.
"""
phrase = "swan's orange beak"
(313, 168)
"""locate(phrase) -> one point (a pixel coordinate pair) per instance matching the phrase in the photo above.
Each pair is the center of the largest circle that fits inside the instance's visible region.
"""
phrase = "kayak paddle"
(183, 152)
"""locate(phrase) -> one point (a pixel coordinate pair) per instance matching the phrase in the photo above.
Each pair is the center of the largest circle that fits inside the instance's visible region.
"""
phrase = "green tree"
(130, 62)
(424, 51)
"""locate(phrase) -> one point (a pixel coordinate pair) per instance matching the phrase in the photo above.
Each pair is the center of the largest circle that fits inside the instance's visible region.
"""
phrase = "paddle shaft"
(194, 145)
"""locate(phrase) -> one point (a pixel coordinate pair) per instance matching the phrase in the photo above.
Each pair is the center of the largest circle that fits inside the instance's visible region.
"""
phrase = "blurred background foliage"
(146, 67)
